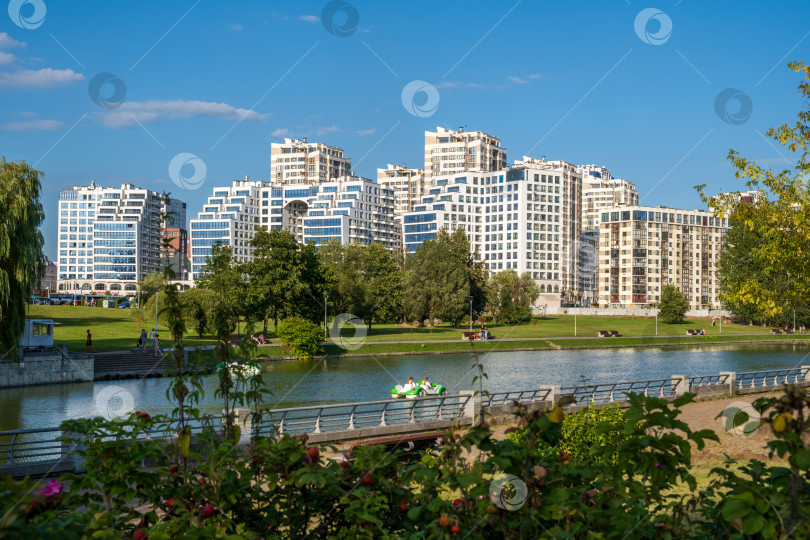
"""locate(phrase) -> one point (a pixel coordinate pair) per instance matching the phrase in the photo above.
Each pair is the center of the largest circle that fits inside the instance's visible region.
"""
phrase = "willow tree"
(22, 262)
(774, 277)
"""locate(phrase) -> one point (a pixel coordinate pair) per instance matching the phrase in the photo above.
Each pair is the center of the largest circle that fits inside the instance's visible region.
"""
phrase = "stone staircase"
(132, 364)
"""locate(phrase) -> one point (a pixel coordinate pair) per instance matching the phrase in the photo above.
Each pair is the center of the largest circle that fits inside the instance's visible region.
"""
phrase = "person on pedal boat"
(426, 383)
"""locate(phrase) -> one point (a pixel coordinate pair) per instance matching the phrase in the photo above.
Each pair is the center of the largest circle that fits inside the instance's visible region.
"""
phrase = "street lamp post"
(325, 296)
(471, 299)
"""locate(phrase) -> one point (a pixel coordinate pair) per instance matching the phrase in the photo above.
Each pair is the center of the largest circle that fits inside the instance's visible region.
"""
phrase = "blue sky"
(573, 81)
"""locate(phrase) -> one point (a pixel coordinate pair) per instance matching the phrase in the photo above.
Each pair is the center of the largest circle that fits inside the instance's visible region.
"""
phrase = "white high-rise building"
(643, 248)
(296, 161)
(524, 218)
(110, 238)
(600, 191)
(348, 209)
(449, 152)
(408, 185)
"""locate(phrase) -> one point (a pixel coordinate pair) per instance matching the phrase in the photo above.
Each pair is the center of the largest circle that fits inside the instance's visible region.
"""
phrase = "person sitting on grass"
(261, 340)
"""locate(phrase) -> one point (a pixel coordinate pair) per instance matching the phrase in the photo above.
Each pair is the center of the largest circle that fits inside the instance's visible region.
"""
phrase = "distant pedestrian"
(158, 352)
(152, 336)
(142, 340)
(89, 342)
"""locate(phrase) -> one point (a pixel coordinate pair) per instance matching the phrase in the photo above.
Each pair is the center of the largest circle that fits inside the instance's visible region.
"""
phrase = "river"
(298, 383)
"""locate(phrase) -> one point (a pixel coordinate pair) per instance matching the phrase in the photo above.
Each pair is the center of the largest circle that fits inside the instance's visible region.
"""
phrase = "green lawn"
(113, 329)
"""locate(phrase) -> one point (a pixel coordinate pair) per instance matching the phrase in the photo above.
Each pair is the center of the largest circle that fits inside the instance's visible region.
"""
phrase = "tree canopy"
(673, 305)
(765, 268)
(22, 262)
(511, 296)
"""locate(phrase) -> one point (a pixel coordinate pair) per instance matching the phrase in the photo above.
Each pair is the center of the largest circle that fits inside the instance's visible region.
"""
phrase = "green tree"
(284, 279)
(150, 284)
(511, 296)
(22, 262)
(367, 281)
(774, 277)
(301, 337)
(673, 305)
(221, 274)
(441, 276)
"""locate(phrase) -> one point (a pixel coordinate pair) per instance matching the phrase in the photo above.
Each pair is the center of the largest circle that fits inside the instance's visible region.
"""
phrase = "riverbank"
(114, 329)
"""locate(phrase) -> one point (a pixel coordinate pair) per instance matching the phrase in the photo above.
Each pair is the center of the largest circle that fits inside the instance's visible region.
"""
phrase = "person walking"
(158, 352)
(152, 336)
(142, 340)
(89, 342)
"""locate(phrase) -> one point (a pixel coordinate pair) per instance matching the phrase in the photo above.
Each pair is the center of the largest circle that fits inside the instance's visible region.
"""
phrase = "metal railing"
(319, 419)
(24, 446)
(521, 396)
(614, 392)
(708, 380)
(772, 377)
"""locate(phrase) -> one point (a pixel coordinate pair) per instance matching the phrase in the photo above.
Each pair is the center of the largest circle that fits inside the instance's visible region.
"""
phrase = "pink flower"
(53, 489)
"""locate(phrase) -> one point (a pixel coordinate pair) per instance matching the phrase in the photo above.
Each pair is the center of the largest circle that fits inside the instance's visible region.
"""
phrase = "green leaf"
(753, 523)
(803, 459)
(735, 509)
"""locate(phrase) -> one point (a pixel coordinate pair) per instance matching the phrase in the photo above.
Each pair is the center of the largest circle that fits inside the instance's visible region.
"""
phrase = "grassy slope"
(113, 330)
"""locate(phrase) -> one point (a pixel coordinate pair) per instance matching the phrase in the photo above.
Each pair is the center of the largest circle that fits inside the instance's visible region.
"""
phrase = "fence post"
(554, 396)
(243, 420)
(680, 384)
(806, 371)
(472, 409)
(731, 380)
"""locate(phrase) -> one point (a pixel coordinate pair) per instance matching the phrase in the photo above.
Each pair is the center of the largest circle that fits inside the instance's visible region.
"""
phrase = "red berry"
(170, 503)
(367, 480)
(344, 463)
(455, 529)
(209, 511)
(313, 453)
(458, 502)
(174, 469)
(201, 481)
(403, 507)
(111, 453)
(139, 534)
(444, 521)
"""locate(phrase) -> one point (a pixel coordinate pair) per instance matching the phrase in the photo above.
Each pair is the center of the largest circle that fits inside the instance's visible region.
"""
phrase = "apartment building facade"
(296, 161)
(348, 209)
(600, 192)
(523, 218)
(110, 238)
(643, 248)
(408, 185)
(448, 152)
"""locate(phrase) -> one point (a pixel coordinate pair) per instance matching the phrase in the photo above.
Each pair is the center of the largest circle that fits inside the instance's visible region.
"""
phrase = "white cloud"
(33, 125)
(129, 113)
(6, 58)
(28, 114)
(309, 18)
(535, 76)
(280, 132)
(41, 78)
(364, 132)
(6, 41)
(457, 84)
(236, 27)
(280, 16)
(516, 80)
(321, 131)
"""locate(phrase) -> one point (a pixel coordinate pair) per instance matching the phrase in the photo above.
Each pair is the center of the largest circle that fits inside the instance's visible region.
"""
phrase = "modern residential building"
(110, 238)
(177, 252)
(296, 161)
(448, 152)
(408, 185)
(524, 218)
(349, 209)
(49, 280)
(643, 248)
(601, 191)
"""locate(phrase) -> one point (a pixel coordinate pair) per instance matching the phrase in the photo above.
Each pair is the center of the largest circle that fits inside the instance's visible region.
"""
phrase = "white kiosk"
(38, 334)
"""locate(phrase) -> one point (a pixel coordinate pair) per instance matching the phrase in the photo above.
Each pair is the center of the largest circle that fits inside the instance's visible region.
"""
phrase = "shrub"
(673, 305)
(585, 431)
(301, 337)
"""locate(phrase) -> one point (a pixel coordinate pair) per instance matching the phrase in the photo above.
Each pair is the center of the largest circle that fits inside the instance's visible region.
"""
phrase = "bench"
(475, 335)
(693, 332)
(609, 333)
(408, 445)
(615, 333)
(467, 335)
(234, 339)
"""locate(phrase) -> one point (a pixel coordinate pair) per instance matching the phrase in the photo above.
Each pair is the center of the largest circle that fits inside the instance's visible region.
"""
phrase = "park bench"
(615, 333)
(780, 331)
(471, 335)
(467, 335)
(604, 333)
(408, 445)
(234, 339)
(693, 332)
